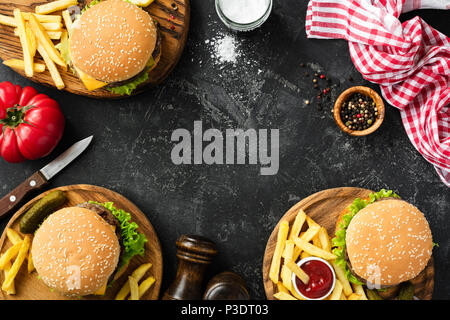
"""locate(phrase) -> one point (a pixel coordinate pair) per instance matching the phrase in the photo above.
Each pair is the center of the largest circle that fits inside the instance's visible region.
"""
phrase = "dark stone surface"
(266, 88)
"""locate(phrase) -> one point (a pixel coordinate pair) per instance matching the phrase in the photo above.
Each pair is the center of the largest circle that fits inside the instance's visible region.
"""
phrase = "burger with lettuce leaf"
(113, 44)
(382, 241)
(79, 251)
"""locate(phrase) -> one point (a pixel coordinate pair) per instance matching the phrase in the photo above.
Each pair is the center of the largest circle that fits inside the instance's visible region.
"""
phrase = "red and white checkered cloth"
(410, 62)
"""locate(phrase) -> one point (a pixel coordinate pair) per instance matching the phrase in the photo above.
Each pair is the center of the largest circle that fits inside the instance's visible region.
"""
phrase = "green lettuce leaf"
(93, 3)
(133, 241)
(63, 48)
(128, 88)
(338, 241)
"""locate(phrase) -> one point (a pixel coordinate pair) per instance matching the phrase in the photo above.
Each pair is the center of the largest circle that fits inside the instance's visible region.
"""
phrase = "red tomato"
(31, 124)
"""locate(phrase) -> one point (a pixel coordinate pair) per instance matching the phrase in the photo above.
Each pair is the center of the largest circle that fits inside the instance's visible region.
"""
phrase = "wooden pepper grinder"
(226, 286)
(194, 254)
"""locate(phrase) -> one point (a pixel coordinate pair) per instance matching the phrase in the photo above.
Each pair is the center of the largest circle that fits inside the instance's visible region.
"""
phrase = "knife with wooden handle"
(41, 177)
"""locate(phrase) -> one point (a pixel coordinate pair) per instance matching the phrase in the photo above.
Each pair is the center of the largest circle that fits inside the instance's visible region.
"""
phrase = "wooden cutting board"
(29, 287)
(173, 24)
(324, 207)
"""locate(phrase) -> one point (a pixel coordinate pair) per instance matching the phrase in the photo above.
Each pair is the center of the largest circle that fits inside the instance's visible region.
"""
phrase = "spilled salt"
(225, 48)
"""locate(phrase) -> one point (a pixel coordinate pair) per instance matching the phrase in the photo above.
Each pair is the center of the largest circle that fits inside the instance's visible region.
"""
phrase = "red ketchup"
(320, 279)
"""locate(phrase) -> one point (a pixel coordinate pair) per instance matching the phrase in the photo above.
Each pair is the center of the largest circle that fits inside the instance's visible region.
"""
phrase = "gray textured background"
(266, 88)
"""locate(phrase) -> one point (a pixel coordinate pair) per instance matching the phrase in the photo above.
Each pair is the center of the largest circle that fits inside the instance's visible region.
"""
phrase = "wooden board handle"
(15, 197)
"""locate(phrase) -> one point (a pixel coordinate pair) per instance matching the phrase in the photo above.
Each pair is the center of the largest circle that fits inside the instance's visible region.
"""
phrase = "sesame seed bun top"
(112, 41)
(388, 242)
(75, 251)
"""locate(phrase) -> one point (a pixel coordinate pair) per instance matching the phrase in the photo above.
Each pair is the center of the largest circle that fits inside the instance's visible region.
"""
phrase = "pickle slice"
(33, 218)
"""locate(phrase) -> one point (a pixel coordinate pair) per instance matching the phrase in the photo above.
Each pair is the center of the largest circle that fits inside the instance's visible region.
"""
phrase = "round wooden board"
(173, 42)
(29, 287)
(324, 207)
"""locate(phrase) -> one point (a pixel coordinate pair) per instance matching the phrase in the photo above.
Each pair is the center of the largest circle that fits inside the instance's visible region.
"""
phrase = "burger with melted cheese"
(382, 241)
(114, 44)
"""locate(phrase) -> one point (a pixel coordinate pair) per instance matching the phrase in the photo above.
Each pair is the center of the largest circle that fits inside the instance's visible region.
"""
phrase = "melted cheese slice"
(102, 290)
(89, 82)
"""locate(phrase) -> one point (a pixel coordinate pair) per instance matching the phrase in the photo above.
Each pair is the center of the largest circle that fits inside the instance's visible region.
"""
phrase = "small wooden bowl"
(368, 92)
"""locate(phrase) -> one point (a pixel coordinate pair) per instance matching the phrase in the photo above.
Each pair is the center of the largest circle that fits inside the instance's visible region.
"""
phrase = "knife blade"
(50, 170)
(42, 176)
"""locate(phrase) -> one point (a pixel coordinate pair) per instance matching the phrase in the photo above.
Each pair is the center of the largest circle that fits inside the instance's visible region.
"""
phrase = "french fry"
(298, 272)
(286, 273)
(354, 296)
(312, 231)
(297, 253)
(134, 288)
(51, 67)
(313, 250)
(286, 276)
(324, 239)
(12, 234)
(12, 288)
(25, 42)
(304, 255)
(336, 294)
(141, 270)
(17, 263)
(52, 26)
(316, 241)
(347, 288)
(44, 40)
(8, 21)
(276, 259)
(48, 22)
(296, 295)
(288, 251)
(55, 6)
(283, 296)
(67, 20)
(137, 274)
(282, 288)
(145, 285)
(32, 39)
(10, 254)
(359, 290)
(43, 17)
(311, 222)
(300, 219)
(30, 265)
(53, 35)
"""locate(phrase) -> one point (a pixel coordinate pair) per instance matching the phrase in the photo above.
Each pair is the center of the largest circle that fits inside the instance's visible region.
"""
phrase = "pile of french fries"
(19, 252)
(36, 32)
(132, 286)
(294, 244)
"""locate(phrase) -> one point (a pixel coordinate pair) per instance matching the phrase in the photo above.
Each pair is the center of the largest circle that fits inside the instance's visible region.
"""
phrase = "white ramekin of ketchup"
(321, 279)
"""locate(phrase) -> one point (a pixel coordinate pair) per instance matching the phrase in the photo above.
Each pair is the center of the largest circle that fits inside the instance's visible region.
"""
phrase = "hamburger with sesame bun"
(78, 251)
(114, 44)
(382, 242)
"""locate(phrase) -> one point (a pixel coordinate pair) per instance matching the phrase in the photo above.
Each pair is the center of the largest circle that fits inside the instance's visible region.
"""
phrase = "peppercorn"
(358, 112)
